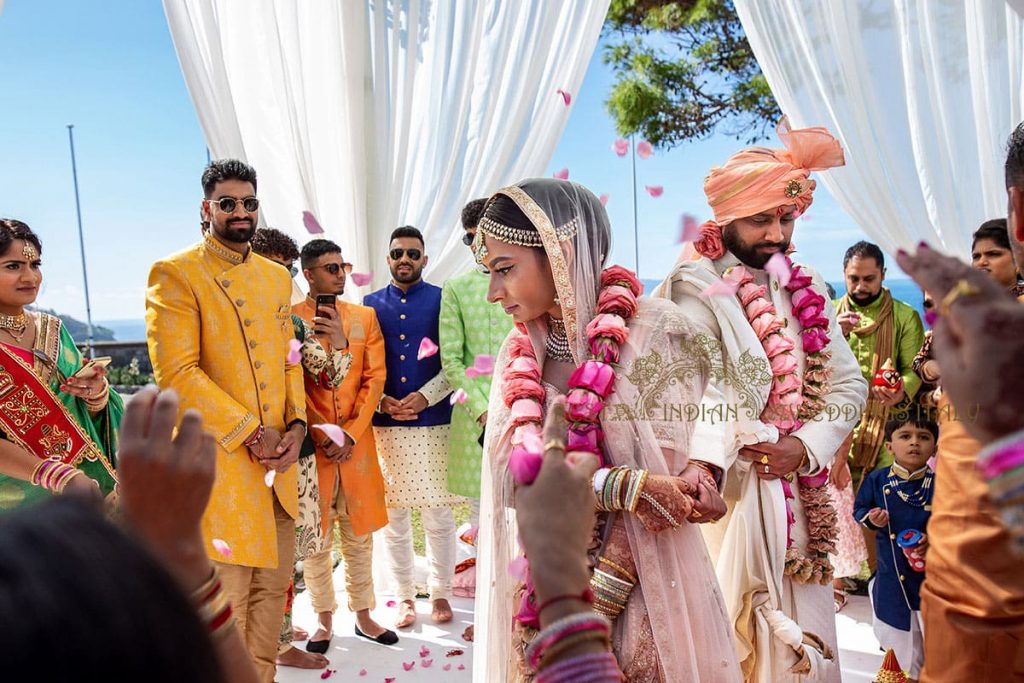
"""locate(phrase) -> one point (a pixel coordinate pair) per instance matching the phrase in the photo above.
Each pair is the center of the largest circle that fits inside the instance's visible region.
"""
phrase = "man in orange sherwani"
(351, 485)
(218, 323)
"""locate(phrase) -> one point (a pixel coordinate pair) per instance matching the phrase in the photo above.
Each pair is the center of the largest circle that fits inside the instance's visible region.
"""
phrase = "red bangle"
(586, 597)
(256, 436)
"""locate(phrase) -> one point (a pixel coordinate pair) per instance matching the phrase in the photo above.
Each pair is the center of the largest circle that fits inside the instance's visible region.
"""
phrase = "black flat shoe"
(319, 647)
(386, 638)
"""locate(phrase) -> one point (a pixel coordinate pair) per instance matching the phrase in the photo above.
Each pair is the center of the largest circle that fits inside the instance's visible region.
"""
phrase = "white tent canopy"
(377, 114)
(922, 94)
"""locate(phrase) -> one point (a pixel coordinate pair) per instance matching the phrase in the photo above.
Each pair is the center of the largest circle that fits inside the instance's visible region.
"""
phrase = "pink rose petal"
(620, 147)
(472, 372)
(447, 667)
(566, 97)
(427, 348)
(313, 226)
(269, 477)
(644, 149)
(361, 279)
(389, 679)
(930, 317)
(517, 568)
(720, 288)
(654, 190)
(408, 666)
(327, 673)
(462, 667)
(392, 603)
(222, 547)
(533, 442)
(458, 396)
(779, 267)
(425, 663)
(561, 175)
(333, 432)
(603, 199)
(362, 672)
(424, 651)
(484, 364)
(689, 228)
(294, 352)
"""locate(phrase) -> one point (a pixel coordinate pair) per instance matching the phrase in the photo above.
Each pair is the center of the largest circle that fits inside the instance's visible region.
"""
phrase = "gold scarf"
(871, 433)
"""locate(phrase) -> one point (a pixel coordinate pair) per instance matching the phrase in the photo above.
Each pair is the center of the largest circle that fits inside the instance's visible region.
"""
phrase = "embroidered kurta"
(218, 327)
(897, 589)
(351, 406)
(469, 327)
(759, 598)
(907, 336)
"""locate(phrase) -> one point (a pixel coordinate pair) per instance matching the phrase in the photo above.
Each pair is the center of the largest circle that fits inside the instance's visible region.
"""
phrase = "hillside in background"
(80, 330)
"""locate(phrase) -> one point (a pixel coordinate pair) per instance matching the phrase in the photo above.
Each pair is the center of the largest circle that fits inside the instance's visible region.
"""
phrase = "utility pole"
(81, 244)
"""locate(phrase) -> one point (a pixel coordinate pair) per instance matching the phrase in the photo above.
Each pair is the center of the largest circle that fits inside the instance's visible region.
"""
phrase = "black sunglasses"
(414, 254)
(228, 204)
(468, 238)
(335, 268)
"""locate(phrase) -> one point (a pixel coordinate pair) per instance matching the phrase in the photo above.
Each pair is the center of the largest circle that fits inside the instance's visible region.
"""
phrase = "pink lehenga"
(674, 627)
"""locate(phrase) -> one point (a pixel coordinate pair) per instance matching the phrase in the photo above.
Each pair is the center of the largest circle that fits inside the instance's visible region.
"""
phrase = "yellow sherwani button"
(252, 344)
(239, 302)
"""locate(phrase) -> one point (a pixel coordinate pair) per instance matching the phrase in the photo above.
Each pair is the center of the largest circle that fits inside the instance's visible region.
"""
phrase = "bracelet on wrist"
(256, 437)
(586, 597)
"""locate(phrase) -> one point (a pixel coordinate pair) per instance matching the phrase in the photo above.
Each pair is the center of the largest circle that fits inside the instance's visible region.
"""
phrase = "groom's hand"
(773, 460)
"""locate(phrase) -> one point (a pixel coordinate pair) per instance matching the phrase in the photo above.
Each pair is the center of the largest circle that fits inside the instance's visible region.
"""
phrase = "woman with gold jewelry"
(629, 370)
(59, 430)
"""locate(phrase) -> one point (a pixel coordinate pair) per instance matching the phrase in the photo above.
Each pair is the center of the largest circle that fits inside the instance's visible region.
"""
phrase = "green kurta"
(908, 335)
(469, 326)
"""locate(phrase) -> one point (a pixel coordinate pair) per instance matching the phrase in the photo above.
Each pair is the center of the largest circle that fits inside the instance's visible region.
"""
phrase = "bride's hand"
(671, 504)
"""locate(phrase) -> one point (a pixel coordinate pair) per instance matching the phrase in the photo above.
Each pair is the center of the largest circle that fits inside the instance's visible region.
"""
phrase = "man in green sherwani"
(469, 327)
(878, 328)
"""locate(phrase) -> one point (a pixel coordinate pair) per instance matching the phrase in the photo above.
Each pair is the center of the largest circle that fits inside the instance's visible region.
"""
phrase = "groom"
(790, 379)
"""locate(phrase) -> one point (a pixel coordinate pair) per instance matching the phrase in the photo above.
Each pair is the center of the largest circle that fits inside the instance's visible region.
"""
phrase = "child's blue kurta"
(897, 589)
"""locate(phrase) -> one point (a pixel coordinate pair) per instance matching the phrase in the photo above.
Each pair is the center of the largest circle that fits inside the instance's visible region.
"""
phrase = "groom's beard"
(748, 254)
(865, 300)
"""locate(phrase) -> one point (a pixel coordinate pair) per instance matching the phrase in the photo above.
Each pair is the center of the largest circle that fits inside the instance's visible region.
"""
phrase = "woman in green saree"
(55, 427)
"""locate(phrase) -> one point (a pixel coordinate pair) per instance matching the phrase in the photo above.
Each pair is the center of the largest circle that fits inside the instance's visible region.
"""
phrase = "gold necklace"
(14, 325)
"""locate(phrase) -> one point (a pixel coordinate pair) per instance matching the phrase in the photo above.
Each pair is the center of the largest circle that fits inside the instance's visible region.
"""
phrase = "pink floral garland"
(590, 385)
(792, 403)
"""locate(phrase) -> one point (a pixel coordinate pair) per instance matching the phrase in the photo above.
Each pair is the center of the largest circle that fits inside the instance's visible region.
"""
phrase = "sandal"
(839, 596)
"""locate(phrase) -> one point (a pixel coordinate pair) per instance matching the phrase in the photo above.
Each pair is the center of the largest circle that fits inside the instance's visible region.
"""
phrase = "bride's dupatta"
(36, 415)
(675, 627)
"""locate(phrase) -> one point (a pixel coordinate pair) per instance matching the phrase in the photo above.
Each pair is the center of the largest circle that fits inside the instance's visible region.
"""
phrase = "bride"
(630, 370)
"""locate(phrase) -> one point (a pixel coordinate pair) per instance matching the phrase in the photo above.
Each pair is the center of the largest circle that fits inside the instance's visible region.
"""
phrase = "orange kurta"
(351, 406)
(972, 600)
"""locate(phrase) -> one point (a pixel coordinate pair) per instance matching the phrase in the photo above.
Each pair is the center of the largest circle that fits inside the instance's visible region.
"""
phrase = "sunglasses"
(228, 204)
(335, 268)
(467, 239)
(294, 270)
(928, 304)
(414, 254)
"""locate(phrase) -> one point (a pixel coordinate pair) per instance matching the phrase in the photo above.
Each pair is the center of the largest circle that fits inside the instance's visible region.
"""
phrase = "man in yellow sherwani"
(218, 320)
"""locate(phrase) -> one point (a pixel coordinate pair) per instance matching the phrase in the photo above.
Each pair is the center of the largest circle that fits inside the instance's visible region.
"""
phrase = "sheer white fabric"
(922, 94)
(379, 114)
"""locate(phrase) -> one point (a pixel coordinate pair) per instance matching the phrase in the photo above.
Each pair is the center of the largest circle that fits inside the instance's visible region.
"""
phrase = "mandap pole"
(636, 232)
(81, 244)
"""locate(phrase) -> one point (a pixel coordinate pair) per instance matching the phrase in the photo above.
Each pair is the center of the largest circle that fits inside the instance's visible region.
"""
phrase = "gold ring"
(764, 459)
(696, 514)
(554, 444)
(961, 288)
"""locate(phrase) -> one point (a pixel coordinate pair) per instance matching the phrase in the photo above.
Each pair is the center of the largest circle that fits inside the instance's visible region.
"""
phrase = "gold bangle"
(961, 288)
(617, 567)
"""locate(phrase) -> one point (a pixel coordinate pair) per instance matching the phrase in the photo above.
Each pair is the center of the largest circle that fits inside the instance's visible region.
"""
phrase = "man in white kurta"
(785, 628)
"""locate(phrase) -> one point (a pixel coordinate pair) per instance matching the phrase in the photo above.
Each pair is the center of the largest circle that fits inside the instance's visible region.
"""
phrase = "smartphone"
(88, 370)
(326, 301)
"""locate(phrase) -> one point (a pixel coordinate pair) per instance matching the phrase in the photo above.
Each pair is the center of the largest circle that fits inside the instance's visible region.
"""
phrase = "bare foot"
(293, 656)
(299, 633)
(367, 625)
(406, 614)
(442, 613)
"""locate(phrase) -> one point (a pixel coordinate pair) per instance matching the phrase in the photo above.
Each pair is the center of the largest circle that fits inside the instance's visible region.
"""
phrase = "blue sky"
(110, 68)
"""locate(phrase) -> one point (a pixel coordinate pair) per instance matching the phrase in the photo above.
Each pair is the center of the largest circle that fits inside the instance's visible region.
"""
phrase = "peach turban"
(757, 179)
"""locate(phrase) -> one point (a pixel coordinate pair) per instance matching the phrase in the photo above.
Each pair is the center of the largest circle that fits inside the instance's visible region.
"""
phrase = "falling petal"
(427, 348)
(458, 396)
(424, 652)
(269, 477)
(720, 288)
(472, 372)
(425, 663)
(392, 603)
(604, 200)
(333, 432)
(362, 672)
(408, 665)
(484, 364)
(689, 229)
(222, 547)
(361, 279)
(930, 317)
(566, 97)
(517, 568)
(313, 226)
(654, 190)
(644, 149)
(294, 352)
(620, 147)
(462, 667)
(561, 175)
(447, 667)
(778, 266)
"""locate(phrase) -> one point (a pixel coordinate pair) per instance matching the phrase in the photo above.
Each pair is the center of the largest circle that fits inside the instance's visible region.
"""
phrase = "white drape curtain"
(378, 113)
(922, 94)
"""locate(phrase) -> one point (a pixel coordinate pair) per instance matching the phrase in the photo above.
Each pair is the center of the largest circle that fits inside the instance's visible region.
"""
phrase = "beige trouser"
(357, 552)
(258, 596)
(439, 529)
